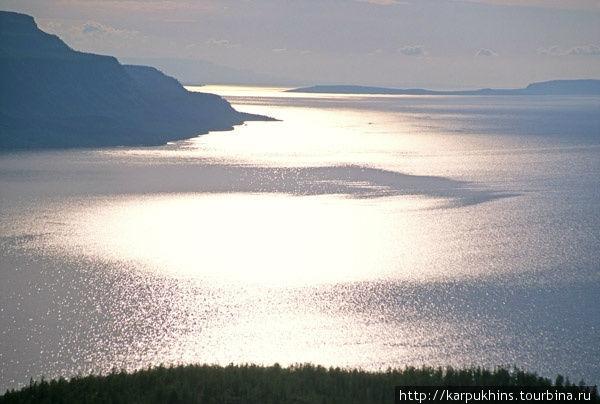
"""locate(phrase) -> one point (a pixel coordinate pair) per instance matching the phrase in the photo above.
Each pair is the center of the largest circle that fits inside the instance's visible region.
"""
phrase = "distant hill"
(53, 96)
(555, 87)
(196, 72)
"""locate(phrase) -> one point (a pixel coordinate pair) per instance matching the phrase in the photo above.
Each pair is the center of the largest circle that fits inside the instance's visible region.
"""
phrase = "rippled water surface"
(364, 231)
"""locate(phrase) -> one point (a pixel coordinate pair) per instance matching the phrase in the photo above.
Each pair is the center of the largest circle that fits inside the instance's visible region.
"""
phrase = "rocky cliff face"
(53, 96)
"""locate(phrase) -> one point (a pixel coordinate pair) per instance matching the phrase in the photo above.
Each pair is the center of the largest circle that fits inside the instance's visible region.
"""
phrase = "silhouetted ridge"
(252, 384)
(555, 87)
(53, 96)
(566, 87)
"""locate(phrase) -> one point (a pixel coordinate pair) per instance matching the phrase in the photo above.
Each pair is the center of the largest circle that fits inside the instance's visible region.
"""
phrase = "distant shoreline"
(554, 87)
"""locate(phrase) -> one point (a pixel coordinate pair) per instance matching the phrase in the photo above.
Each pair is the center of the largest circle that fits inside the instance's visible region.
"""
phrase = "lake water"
(358, 231)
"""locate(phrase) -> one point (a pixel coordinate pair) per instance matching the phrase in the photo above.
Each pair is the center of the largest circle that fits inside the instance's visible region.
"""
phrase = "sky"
(441, 44)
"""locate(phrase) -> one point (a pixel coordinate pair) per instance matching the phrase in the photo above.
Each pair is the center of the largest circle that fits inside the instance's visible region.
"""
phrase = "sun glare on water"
(260, 239)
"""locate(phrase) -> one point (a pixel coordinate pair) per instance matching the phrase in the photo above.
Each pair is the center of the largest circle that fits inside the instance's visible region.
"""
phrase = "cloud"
(580, 50)
(383, 2)
(142, 5)
(585, 50)
(86, 31)
(556, 4)
(412, 50)
(218, 42)
(97, 37)
(486, 52)
(551, 51)
(96, 28)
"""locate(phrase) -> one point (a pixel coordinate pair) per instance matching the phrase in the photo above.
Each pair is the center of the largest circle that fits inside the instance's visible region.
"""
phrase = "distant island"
(55, 97)
(554, 87)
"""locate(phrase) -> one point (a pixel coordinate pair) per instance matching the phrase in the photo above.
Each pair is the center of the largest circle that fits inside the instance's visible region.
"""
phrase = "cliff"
(53, 96)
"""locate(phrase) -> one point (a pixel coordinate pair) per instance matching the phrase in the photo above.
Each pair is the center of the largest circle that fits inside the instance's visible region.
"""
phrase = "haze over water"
(363, 231)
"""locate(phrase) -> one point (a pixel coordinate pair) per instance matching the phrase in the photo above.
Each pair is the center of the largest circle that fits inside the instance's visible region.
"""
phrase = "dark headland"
(55, 97)
(554, 87)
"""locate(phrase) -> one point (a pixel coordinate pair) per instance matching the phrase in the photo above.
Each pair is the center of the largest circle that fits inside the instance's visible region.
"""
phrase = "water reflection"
(89, 315)
(250, 239)
(357, 231)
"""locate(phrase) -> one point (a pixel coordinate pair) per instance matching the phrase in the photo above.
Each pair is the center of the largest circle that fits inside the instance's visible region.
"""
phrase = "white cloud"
(413, 50)
(551, 51)
(97, 37)
(593, 5)
(486, 52)
(559, 4)
(143, 5)
(218, 42)
(581, 50)
(96, 28)
(585, 50)
(383, 2)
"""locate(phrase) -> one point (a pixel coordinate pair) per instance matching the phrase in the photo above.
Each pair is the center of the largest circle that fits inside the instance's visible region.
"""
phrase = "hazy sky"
(428, 43)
